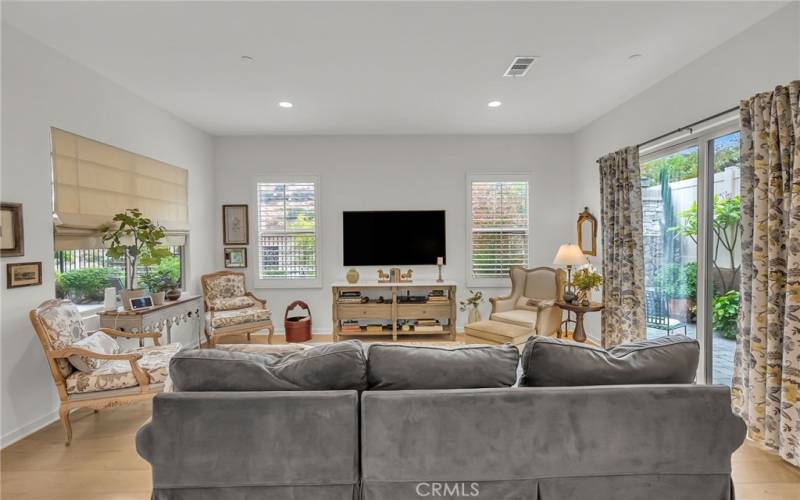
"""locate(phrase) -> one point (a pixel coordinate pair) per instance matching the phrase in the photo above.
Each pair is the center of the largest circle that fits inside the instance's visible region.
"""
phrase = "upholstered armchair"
(531, 304)
(231, 309)
(92, 370)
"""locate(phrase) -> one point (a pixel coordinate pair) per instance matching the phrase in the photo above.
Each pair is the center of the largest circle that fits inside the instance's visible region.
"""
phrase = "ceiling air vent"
(520, 66)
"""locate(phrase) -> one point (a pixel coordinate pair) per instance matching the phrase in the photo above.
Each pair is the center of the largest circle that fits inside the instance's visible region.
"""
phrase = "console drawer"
(365, 311)
(422, 311)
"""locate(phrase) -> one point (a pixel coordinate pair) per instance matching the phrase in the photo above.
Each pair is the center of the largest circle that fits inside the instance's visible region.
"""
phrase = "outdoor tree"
(726, 227)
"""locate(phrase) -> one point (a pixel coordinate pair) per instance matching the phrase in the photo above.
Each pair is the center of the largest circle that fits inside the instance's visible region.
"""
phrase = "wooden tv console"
(391, 311)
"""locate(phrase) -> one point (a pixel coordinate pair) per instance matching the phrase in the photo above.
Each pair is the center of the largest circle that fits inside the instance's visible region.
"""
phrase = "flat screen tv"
(396, 238)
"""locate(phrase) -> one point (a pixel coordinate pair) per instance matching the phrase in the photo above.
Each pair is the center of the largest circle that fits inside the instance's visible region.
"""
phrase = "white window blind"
(287, 231)
(499, 223)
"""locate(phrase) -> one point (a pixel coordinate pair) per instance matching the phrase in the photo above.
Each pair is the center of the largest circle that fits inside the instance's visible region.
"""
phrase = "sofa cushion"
(536, 305)
(338, 366)
(234, 317)
(98, 342)
(519, 317)
(398, 367)
(666, 360)
(118, 374)
(229, 303)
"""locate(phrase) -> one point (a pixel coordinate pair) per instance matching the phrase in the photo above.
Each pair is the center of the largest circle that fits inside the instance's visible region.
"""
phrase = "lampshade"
(570, 255)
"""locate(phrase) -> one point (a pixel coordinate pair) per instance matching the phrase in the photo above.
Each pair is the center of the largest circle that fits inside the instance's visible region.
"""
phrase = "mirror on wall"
(587, 232)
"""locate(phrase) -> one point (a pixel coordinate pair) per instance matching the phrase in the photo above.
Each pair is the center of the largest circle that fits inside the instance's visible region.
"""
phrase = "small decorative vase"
(583, 297)
(173, 294)
(158, 298)
(352, 276)
(474, 315)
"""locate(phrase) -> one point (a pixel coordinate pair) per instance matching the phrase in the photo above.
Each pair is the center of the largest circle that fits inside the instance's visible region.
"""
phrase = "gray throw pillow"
(337, 366)
(398, 367)
(549, 362)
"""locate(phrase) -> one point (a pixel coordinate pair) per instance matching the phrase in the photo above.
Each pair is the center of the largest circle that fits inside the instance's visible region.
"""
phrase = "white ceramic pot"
(158, 298)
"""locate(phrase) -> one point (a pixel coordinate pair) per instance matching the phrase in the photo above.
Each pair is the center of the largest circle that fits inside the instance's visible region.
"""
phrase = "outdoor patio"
(724, 350)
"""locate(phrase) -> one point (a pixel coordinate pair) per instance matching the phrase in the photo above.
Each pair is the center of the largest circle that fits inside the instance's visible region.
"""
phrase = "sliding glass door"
(669, 192)
(691, 189)
(726, 254)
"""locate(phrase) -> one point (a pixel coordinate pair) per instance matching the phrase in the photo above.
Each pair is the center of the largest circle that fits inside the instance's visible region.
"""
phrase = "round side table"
(579, 335)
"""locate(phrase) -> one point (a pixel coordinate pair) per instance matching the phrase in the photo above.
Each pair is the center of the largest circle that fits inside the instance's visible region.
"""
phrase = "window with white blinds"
(288, 243)
(499, 226)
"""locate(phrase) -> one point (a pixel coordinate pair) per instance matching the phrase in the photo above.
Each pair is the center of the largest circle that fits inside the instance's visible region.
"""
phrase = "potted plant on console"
(136, 239)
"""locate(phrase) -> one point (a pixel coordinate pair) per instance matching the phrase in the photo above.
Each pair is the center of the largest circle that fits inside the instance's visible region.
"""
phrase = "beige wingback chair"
(232, 310)
(531, 304)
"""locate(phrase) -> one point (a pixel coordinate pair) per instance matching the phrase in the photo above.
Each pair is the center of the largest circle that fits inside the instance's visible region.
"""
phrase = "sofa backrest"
(514, 442)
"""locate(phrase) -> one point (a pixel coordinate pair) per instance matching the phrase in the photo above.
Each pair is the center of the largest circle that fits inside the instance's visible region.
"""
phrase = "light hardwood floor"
(102, 462)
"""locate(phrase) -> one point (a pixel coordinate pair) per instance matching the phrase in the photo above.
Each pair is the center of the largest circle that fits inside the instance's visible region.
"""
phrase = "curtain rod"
(689, 126)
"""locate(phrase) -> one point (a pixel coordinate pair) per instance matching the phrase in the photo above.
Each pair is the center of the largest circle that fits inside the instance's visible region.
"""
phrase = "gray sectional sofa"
(395, 422)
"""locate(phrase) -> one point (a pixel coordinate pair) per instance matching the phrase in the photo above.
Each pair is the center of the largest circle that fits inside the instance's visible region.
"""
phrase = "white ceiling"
(381, 67)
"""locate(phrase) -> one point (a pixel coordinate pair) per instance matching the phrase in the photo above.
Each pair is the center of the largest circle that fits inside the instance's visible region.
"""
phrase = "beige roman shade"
(93, 181)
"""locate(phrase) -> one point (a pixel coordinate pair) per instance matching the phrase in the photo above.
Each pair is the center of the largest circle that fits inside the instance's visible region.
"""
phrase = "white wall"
(765, 55)
(397, 172)
(42, 88)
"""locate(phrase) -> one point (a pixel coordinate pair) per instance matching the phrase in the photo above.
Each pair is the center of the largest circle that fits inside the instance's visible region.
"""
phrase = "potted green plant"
(585, 280)
(158, 283)
(136, 239)
(471, 303)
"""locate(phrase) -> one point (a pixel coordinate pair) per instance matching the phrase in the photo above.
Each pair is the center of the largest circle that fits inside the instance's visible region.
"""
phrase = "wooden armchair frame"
(213, 334)
(97, 400)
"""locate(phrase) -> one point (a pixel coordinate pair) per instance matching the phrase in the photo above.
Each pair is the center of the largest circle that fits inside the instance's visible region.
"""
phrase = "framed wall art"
(12, 240)
(235, 257)
(21, 274)
(235, 228)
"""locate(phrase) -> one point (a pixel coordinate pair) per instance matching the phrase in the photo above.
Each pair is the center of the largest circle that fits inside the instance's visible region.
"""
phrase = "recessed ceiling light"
(495, 104)
(247, 59)
(285, 104)
(634, 57)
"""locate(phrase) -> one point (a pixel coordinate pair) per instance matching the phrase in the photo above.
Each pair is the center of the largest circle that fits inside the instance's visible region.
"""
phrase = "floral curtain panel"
(767, 365)
(623, 317)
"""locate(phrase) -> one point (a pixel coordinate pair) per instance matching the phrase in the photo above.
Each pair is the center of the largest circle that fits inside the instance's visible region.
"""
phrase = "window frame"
(497, 282)
(315, 282)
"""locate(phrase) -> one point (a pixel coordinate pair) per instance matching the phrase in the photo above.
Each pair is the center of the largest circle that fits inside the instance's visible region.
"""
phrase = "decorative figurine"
(406, 276)
(382, 276)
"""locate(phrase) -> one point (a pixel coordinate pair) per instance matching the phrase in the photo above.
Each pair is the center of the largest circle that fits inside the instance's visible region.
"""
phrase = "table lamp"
(570, 255)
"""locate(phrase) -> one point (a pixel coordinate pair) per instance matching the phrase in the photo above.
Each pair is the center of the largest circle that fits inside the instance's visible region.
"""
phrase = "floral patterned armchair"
(107, 376)
(231, 309)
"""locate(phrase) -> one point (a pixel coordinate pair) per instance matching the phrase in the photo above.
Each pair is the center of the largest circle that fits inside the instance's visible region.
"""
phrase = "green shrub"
(164, 276)
(85, 285)
(725, 311)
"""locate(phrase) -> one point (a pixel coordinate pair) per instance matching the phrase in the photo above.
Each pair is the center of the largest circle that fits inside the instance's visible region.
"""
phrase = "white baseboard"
(26, 430)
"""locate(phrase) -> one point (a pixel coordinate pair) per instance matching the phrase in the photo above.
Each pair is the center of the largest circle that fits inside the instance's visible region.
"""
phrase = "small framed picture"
(11, 238)
(24, 274)
(235, 257)
(235, 229)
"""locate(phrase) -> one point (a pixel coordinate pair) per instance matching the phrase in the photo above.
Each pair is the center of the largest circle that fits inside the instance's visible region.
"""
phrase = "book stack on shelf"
(350, 326)
(428, 325)
(374, 328)
(438, 297)
(350, 297)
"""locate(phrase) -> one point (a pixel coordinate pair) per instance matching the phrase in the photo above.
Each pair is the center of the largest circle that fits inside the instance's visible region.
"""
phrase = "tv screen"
(398, 238)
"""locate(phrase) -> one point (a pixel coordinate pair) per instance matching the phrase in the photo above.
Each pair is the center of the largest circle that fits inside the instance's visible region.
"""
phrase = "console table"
(391, 310)
(157, 318)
